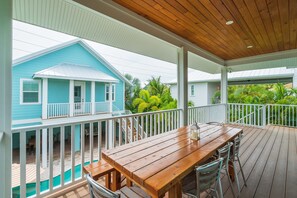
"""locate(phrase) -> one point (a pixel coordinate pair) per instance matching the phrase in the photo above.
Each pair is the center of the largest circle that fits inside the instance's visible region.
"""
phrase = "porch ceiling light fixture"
(230, 22)
(249, 46)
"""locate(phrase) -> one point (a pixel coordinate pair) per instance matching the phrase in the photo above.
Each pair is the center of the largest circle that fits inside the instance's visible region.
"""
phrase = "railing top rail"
(68, 123)
(207, 106)
(287, 105)
(263, 104)
(246, 104)
(65, 103)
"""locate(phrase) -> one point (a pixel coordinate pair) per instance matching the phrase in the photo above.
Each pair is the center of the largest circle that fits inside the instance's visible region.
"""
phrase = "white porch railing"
(209, 113)
(283, 115)
(71, 145)
(56, 110)
(82, 108)
(247, 114)
(260, 114)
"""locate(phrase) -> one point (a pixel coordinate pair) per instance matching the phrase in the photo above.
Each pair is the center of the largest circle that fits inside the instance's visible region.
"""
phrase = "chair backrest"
(224, 152)
(98, 191)
(207, 175)
(215, 123)
(236, 145)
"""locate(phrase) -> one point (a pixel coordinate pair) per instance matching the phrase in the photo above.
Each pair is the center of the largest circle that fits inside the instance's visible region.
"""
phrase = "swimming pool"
(44, 185)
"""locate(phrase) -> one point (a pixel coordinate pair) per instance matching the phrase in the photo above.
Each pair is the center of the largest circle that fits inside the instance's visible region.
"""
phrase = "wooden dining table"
(159, 163)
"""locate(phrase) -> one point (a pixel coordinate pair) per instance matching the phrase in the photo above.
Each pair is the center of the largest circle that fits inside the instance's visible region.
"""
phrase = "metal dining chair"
(235, 158)
(98, 191)
(206, 179)
(224, 153)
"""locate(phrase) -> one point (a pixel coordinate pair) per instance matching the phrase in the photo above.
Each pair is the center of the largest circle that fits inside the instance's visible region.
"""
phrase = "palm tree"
(131, 92)
(146, 102)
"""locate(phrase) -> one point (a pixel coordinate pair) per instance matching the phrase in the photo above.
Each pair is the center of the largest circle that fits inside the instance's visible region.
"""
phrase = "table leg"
(107, 180)
(175, 191)
(116, 180)
(128, 182)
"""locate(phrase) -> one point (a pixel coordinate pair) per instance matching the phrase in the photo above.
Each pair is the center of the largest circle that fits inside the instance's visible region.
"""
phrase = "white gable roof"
(74, 72)
(66, 44)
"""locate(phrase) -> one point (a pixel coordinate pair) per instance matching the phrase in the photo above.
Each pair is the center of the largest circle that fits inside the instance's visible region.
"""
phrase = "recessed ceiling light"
(229, 22)
(249, 46)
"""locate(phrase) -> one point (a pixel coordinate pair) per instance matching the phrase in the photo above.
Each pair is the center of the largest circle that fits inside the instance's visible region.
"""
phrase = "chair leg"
(230, 182)
(220, 188)
(236, 176)
(241, 172)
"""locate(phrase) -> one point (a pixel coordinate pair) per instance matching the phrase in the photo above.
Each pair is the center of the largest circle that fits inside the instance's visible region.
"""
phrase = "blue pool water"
(44, 185)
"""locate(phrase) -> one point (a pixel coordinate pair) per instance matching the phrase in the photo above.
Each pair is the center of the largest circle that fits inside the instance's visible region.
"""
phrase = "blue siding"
(100, 92)
(75, 54)
(88, 91)
(58, 91)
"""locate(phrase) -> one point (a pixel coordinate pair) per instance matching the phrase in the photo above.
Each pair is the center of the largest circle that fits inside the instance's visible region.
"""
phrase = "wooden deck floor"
(269, 159)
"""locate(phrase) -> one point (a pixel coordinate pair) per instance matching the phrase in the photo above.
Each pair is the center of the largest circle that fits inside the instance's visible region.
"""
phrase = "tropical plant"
(146, 102)
(259, 94)
(131, 92)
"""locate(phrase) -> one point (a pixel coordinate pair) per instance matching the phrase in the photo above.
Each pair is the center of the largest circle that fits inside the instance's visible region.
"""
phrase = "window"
(107, 92)
(30, 91)
(192, 90)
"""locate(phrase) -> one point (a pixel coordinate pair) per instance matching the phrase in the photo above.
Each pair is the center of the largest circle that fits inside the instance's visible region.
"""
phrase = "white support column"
(44, 148)
(224, 90)
(295, 79)
(5, 96)
(182, 85)
(110, 97)
(93, 97)
(71, 98)
(44, 97)
(224, 86)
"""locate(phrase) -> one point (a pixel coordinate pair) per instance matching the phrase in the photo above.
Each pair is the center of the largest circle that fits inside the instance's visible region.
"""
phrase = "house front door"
(79, 96)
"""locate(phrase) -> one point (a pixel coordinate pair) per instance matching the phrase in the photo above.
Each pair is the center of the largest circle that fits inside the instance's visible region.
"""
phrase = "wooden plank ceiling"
(267, 25)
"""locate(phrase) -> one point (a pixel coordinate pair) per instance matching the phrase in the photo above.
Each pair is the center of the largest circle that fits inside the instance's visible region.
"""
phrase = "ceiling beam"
(286, 58)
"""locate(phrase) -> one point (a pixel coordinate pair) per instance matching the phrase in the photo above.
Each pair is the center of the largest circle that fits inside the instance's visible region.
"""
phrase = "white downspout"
(110, 122)
(71, 98)
(93, 104)
(44, 98)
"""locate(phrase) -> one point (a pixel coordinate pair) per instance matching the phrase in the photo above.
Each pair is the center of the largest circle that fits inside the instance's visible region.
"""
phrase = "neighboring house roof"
(66, 44)
(74, 72)
(262, 74)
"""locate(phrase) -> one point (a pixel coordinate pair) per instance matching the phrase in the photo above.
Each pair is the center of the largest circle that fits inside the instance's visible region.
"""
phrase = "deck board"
(269, 159)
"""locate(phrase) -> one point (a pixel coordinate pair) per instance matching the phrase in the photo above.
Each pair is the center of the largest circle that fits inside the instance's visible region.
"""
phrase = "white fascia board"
(73, 78)
(127, 17)
(251, 78)
(262, 58)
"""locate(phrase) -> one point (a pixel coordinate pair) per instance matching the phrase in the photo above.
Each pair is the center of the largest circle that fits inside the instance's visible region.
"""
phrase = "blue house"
(68, 81)
(65, 81)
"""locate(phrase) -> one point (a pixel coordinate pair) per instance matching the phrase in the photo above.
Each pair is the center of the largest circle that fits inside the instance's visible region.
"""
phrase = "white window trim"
(21, 91)
(192, 95)
(111, 89)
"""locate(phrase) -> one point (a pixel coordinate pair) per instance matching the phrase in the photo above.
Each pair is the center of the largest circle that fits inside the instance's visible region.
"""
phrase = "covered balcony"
(211, 36)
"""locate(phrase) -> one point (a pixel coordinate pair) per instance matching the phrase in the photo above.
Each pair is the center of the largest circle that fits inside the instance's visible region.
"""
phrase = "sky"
(28, 39)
